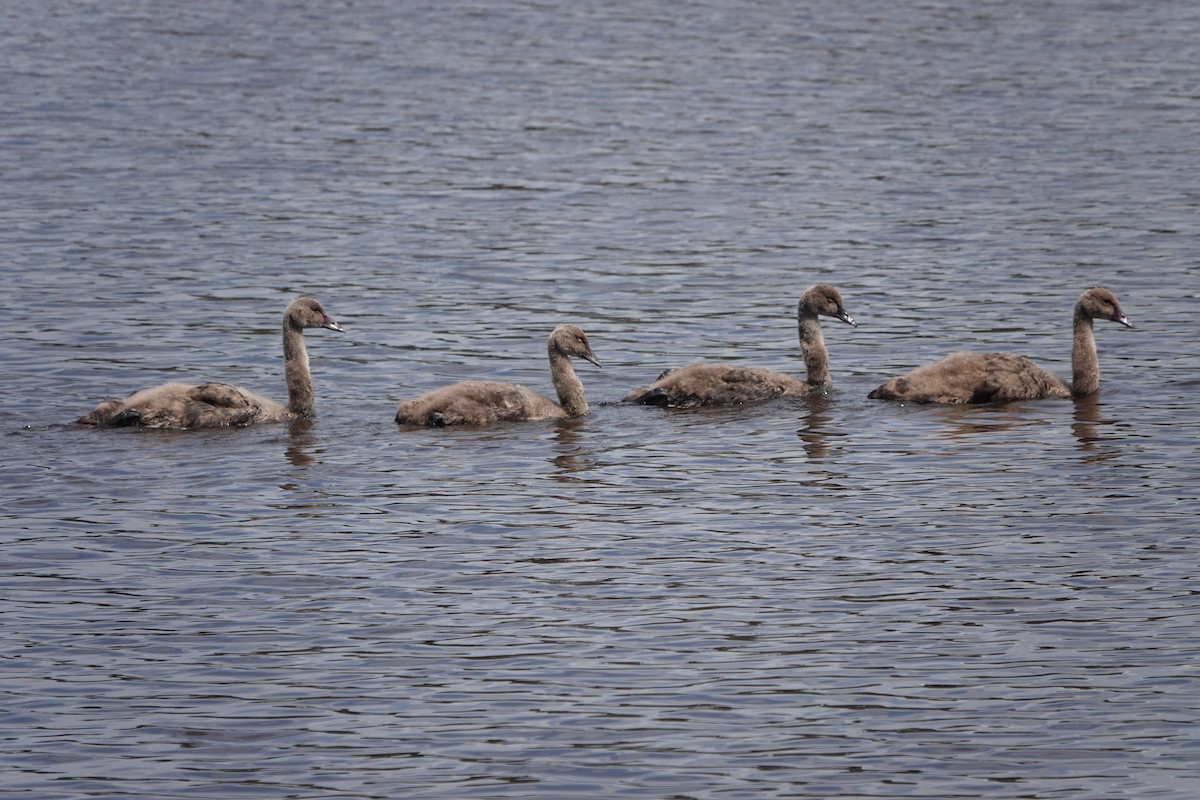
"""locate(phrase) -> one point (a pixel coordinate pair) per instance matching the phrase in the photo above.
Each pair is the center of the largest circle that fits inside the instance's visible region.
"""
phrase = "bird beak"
(590, 356)
(331, 325)
(1119, 316)
(846, 318)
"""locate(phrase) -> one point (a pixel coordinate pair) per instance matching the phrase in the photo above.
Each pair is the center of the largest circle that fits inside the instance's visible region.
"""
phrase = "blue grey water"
(833, 598)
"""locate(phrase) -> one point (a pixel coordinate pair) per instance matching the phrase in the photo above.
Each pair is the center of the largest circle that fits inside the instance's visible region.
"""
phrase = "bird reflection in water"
(815, 430)
(300, 442)
(571, 458)
(1087, 429)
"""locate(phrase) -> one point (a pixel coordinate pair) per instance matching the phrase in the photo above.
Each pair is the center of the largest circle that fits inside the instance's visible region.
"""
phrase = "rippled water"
(824, 598)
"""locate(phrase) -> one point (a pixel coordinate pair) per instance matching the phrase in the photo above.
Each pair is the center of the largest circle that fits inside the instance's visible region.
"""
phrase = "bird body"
(707, 384)
(1003, 377)
(185, 406)
(488, 402)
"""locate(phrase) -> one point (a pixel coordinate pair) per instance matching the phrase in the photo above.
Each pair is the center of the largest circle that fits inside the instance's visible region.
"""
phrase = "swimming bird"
(486, 402)
(183, 406)
(733, 384)
(968, 377)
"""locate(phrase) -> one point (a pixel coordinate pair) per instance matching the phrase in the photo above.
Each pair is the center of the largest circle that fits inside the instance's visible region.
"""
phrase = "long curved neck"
(1085, 365)
(812, 345)
(567, 384)
(295, 370)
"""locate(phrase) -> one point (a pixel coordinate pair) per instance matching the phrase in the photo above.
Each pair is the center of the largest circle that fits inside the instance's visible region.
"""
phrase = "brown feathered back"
(1002, 377)
(183, 406)
(734, 384)
(488, 402)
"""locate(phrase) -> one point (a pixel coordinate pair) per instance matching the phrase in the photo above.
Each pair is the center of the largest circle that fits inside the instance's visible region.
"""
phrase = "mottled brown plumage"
(734, 384)
(1002, 377)
(184, 406)
(487, 402)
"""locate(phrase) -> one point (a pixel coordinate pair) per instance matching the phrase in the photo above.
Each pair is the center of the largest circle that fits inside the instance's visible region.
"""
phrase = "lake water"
(833, 598)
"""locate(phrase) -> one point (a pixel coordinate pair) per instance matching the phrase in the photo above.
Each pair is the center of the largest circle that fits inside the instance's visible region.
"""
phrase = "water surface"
(824, 598)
